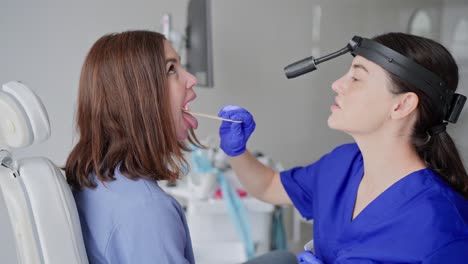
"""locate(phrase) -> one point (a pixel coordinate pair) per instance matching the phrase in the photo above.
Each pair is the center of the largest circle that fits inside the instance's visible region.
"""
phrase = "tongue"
(192, 121)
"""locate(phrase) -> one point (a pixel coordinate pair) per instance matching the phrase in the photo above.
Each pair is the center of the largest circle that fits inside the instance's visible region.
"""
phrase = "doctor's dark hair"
(124, 115)
(437, 150)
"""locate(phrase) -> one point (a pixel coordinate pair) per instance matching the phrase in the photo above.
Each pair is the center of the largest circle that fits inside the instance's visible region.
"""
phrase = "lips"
(335, 106)
(336, 103)
(186, 106)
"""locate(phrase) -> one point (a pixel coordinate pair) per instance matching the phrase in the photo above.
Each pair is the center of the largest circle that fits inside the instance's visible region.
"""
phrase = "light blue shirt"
(129, 221)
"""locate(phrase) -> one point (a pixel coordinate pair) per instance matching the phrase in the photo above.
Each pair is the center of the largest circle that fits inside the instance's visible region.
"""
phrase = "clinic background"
(44, 43)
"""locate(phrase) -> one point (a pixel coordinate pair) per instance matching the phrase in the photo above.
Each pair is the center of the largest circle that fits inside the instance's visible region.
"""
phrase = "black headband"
(448, 103)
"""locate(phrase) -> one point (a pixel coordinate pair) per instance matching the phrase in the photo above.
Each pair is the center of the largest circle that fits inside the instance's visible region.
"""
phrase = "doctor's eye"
(354, 79)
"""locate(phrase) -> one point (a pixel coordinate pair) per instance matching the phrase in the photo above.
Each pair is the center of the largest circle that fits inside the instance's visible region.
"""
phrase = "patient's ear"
(404, 105)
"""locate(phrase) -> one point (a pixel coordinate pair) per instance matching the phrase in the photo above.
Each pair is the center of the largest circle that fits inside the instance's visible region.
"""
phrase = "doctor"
(396, 195)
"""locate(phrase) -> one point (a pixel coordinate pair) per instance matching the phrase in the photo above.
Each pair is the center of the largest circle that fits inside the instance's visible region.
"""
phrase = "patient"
(132, 133)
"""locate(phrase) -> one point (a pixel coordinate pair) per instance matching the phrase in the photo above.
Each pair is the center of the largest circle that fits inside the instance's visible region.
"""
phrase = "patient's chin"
(182, 135)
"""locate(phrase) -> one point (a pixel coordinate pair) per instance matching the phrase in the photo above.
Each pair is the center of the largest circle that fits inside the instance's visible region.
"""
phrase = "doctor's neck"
(388, 159)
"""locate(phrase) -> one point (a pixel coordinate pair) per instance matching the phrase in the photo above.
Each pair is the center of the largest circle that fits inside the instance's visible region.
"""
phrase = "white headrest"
(23, 117)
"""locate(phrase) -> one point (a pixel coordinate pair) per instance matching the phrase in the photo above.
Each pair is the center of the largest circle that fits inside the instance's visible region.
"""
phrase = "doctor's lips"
(336, 105)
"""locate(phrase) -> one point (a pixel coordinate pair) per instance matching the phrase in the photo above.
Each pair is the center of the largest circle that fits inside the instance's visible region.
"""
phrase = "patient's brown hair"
(124, 114)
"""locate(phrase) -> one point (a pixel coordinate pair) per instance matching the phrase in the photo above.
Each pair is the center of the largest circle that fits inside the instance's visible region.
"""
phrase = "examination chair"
(35, 200)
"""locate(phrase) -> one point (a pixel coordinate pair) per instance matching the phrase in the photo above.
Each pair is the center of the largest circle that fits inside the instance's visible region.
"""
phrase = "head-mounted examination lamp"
(449, 104)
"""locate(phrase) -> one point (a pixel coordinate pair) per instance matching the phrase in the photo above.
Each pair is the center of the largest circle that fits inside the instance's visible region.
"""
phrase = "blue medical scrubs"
(133, 221)
(419, 219)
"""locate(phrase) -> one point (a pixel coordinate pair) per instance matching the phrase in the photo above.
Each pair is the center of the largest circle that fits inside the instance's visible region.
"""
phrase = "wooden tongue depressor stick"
(211, 116)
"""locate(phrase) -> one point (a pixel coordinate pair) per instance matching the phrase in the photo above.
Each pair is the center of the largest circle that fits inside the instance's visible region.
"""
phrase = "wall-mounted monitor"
(199, 46)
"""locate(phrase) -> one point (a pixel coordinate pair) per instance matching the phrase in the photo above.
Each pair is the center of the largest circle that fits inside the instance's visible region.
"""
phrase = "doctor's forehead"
(368, 66)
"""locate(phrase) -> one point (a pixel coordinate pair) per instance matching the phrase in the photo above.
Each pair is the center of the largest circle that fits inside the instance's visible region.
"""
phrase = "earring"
(428, 138)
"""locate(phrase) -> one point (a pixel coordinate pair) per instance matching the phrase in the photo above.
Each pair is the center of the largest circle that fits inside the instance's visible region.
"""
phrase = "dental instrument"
(211, 116)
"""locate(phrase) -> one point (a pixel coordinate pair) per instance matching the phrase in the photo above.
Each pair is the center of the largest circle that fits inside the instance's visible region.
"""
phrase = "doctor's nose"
(338, 85)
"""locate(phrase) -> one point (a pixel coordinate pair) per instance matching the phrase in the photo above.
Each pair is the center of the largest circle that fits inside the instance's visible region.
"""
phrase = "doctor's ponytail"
(430, 139)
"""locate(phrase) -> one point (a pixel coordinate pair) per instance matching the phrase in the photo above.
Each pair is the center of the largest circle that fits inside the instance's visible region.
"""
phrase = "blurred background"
(43, 44)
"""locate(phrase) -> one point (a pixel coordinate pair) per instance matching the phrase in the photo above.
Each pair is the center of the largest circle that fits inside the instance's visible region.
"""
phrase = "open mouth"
(186, 107)
(190, 120)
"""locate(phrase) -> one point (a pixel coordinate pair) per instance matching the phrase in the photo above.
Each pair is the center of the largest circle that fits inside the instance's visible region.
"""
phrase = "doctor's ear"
(404, 104)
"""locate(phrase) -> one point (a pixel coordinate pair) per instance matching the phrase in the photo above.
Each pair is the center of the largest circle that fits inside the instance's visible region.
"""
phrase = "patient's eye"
(171, 69)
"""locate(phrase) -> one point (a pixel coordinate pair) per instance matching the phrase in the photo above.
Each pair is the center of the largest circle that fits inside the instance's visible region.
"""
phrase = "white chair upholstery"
(37, 199)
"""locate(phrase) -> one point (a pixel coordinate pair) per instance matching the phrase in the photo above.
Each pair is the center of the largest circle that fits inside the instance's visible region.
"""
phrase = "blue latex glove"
(234, 136)
(307, 257)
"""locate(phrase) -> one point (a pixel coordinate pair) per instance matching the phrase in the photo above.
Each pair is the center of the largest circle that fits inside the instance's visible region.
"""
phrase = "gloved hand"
(234, 136)
(307, 257)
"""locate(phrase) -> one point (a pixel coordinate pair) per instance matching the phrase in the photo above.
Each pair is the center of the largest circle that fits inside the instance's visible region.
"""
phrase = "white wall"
(44, 44)
(7, 246)
(453, 11)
